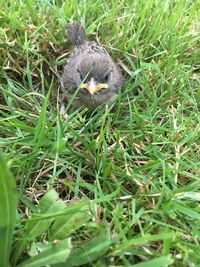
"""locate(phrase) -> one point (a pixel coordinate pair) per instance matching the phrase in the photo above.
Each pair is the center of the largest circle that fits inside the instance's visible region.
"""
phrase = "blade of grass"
(8, 200)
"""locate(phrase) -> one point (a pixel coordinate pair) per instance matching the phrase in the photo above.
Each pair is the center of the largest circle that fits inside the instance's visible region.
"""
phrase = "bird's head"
(96, 74)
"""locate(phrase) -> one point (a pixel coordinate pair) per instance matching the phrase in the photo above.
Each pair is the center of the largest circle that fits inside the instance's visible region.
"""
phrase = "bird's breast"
(93, 101)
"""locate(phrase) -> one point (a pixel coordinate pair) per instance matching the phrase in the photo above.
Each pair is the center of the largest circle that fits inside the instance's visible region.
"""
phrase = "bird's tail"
(76, 33)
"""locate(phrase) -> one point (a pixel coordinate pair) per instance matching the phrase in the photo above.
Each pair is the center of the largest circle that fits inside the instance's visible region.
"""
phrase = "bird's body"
(90, 73)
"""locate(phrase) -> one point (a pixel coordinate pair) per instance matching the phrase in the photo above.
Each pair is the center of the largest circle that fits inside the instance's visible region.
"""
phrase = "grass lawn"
(119, 187)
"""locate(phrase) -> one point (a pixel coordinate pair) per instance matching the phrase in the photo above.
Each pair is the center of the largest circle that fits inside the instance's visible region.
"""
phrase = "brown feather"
(76, 33)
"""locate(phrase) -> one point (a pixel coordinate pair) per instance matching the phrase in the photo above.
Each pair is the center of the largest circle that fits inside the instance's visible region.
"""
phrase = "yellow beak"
(92, 87)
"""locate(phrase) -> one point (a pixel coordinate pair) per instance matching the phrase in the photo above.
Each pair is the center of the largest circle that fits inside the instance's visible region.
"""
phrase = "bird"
(90, 78)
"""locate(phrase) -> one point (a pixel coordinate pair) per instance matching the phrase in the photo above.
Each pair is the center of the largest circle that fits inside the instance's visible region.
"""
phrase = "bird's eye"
(106, 78)
(81, 75)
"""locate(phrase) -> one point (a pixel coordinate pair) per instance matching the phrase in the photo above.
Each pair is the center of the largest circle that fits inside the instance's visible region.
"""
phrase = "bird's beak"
(93, 87)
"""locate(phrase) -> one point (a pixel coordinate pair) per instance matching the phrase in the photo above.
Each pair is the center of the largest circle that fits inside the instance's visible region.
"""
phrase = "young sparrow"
(91, 77)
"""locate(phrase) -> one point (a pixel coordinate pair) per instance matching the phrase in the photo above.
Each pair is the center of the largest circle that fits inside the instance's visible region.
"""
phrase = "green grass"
(127, 178)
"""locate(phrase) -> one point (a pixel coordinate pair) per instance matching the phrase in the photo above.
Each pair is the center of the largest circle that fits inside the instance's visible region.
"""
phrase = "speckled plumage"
(88, 61)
